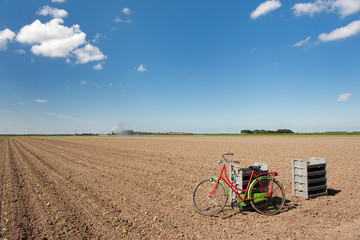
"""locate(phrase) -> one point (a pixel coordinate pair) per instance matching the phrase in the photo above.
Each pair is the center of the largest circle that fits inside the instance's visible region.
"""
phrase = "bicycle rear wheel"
(269, 196)
(207, 201)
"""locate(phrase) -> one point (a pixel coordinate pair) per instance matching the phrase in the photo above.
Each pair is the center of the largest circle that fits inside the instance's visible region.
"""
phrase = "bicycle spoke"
(207, 198)
(274, 197)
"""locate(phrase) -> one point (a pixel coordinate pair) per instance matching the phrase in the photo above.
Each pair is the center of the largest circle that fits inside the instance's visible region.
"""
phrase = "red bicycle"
(265, 193)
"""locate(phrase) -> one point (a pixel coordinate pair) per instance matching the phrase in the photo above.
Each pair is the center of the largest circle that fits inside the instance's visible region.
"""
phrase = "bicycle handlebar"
(234, 161)
(231, 154)
(227, 153)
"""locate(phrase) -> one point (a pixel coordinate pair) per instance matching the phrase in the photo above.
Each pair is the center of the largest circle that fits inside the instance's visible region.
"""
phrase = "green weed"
(113, 220)
(61, 222)
(105, 212)
(125, 230)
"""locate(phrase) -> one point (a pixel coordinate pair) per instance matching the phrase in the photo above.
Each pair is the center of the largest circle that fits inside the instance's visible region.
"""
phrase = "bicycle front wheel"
(269, 196)
(209, 198)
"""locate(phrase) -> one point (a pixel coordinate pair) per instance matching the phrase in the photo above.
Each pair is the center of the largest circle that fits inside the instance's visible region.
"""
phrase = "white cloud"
(58, 1)
(88, 53)
(51, 39)
(302, 42)
(20, 51)
(38, 32)
(265, 8)
(97, 37)
(59, 47)
(344, 97)
(6, 36)
(343, 7)
(347, 7)
(141, 68)
(310, 8)
(343, 32)
(98, 66)
(118, 19)
(127, 11)
(83, 82)
(54, 12)
(41, 100)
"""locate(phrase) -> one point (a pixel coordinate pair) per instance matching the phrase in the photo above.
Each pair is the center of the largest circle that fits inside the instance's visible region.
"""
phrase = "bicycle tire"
(209, 205)
(267, 205)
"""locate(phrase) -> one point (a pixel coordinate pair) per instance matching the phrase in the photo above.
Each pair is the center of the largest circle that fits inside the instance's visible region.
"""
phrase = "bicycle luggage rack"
(240, 177)
(309, 178)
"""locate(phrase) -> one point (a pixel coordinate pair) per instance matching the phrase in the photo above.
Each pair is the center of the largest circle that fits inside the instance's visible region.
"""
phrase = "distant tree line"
(86, 134)
(262, 131)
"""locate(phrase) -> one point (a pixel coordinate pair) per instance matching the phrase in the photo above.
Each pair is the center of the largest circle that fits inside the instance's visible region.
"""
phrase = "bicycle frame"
(235, 189)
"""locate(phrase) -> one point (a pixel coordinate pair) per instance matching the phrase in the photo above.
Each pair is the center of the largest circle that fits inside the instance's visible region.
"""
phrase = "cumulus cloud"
(302, 42)
(83, 82)
(340, 33)
(346, 7)
(38, 32)
(41, 100)
(88, 53)
(59, 47)
(58, 1)
(343, 7)
(344, 97)
(5, 36)
(51, 39)
(265, 8)
(54, 12)
(127, 11)
(141, 68)
(310, 8)
(98, 67)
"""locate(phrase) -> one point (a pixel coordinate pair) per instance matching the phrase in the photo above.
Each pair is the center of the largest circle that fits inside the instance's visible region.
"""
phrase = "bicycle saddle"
(255, 168)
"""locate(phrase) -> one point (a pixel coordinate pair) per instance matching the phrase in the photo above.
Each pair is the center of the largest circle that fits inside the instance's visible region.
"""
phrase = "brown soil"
(141, 187)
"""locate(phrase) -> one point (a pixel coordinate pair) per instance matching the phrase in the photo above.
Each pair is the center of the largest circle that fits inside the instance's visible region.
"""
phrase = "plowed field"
(141, 187)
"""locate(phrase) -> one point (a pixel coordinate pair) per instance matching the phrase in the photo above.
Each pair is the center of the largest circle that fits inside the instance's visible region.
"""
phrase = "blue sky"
(194, 66)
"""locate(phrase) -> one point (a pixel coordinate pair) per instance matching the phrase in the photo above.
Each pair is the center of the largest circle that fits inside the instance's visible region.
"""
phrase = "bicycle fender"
(253, 182)
(226, 189)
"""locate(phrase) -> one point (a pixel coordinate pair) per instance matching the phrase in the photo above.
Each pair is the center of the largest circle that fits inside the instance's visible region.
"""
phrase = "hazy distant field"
(141, 187)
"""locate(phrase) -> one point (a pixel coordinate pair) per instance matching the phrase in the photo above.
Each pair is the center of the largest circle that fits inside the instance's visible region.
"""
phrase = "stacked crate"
(309, 178)
(240, 177)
